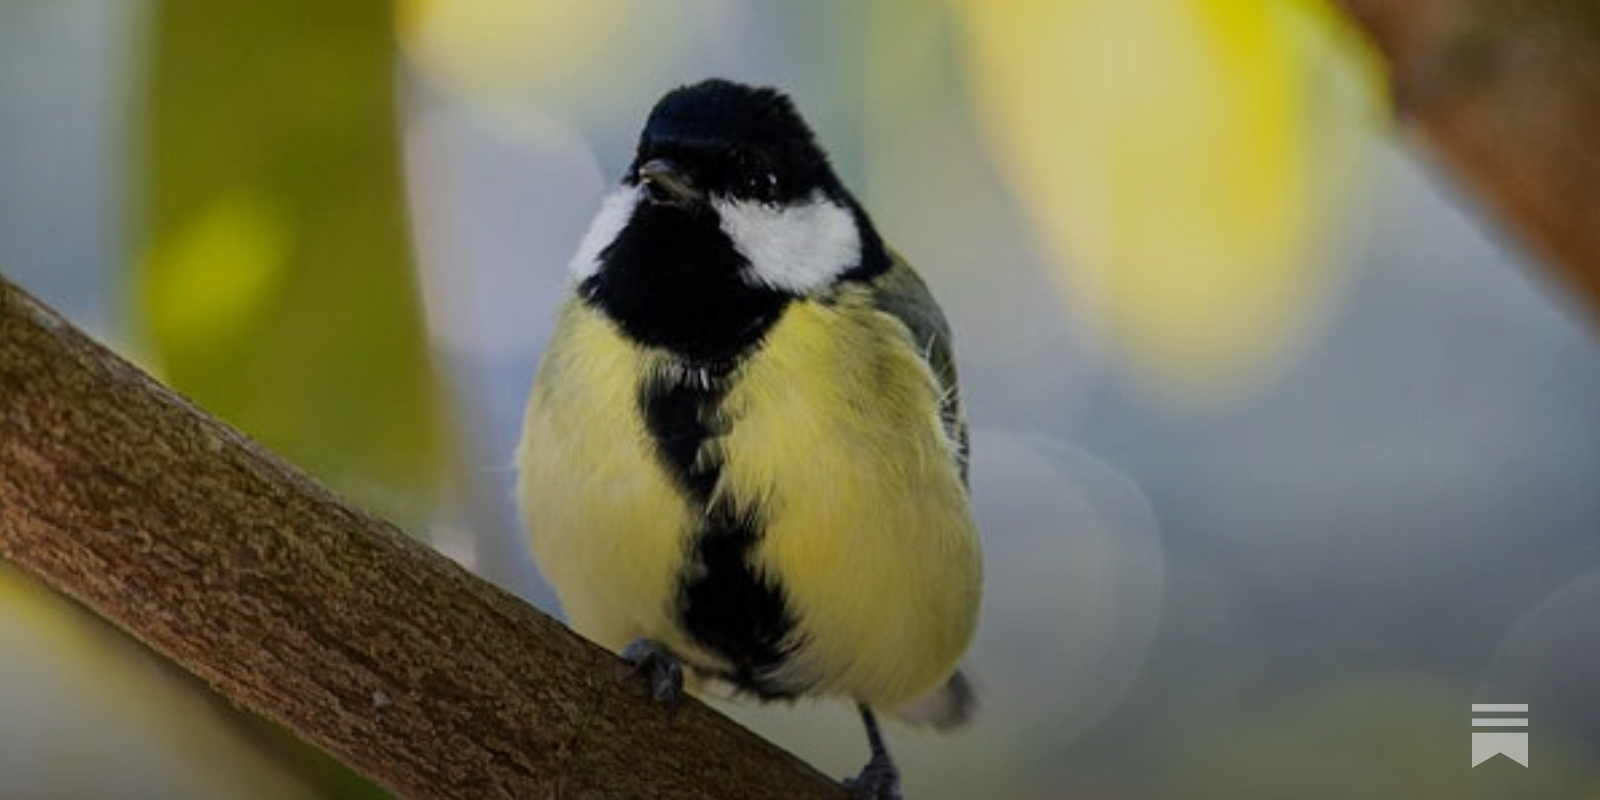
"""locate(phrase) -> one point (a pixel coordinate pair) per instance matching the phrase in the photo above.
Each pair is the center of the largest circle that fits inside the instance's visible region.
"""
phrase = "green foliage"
(276, 284)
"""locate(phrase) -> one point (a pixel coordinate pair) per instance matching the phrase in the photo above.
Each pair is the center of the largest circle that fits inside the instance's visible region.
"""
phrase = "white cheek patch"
(615, 211)
(798, 248)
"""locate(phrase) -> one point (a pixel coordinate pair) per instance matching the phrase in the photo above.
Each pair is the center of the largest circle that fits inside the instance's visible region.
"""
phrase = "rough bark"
(1506, 95)
(292, 604)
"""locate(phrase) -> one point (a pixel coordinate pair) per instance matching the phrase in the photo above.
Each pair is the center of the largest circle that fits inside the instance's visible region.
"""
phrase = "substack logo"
(1511, 744)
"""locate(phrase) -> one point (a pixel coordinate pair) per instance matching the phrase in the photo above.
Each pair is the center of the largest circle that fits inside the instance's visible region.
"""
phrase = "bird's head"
(728, 184)
(731, 143)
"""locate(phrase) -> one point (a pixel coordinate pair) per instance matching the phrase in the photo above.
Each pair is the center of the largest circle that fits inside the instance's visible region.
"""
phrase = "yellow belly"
(835, 434)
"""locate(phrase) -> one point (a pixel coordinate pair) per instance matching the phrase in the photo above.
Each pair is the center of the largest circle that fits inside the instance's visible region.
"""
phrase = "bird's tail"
(951, 705)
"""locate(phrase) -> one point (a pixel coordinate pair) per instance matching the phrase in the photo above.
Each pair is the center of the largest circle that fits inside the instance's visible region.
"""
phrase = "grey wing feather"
(901, 293)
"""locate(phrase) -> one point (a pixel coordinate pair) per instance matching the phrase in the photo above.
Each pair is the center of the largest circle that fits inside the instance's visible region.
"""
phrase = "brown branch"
(294, 605)
(1506, 93)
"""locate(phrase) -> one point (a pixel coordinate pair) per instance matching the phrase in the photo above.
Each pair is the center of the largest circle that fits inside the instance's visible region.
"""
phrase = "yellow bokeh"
(512, 55)
(211, 280)
(1182, 162)
(497, 45)
(100, 717)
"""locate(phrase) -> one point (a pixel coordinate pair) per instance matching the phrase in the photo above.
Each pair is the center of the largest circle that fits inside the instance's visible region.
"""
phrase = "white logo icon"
(1488, 744)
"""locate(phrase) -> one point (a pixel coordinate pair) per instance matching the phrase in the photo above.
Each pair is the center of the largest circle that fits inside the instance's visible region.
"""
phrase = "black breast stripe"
(681, 418)
(731, 609)
(724, 603)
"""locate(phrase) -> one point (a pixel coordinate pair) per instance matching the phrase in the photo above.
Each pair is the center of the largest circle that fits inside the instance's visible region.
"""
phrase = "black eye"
(763, 186)
(756, 178)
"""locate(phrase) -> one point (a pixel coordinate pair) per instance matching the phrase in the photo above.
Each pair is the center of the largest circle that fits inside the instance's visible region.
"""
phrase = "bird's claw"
(663, 670)
(879, 780)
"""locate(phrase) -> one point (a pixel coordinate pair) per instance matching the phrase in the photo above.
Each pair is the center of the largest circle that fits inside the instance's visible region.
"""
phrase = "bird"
(743, 460)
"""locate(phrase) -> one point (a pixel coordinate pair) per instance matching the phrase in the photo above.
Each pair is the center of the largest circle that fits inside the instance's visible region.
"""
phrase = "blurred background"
(1283, 455)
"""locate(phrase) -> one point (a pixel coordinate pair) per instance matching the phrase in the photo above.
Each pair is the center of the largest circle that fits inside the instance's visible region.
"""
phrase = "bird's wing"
(900, 292)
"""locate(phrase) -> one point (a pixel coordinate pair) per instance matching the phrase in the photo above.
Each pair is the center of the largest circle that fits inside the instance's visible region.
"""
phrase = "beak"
(666, 182)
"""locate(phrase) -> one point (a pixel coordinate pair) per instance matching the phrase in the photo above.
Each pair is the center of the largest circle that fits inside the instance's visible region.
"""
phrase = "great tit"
(744, 456)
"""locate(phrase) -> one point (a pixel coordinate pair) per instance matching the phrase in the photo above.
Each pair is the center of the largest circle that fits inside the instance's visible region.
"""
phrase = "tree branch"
(1506, 93)
(294, 605)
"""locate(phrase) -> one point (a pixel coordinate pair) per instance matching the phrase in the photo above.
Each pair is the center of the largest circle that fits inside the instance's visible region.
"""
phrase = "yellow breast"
(868, 526)
(835, 433)
(607, 526)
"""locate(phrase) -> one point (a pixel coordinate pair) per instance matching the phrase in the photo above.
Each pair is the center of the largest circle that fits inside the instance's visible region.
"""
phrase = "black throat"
(672, 280)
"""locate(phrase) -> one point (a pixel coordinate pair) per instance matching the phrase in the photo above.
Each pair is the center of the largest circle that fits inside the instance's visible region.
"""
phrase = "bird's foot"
(879, 780)
(663, 669)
